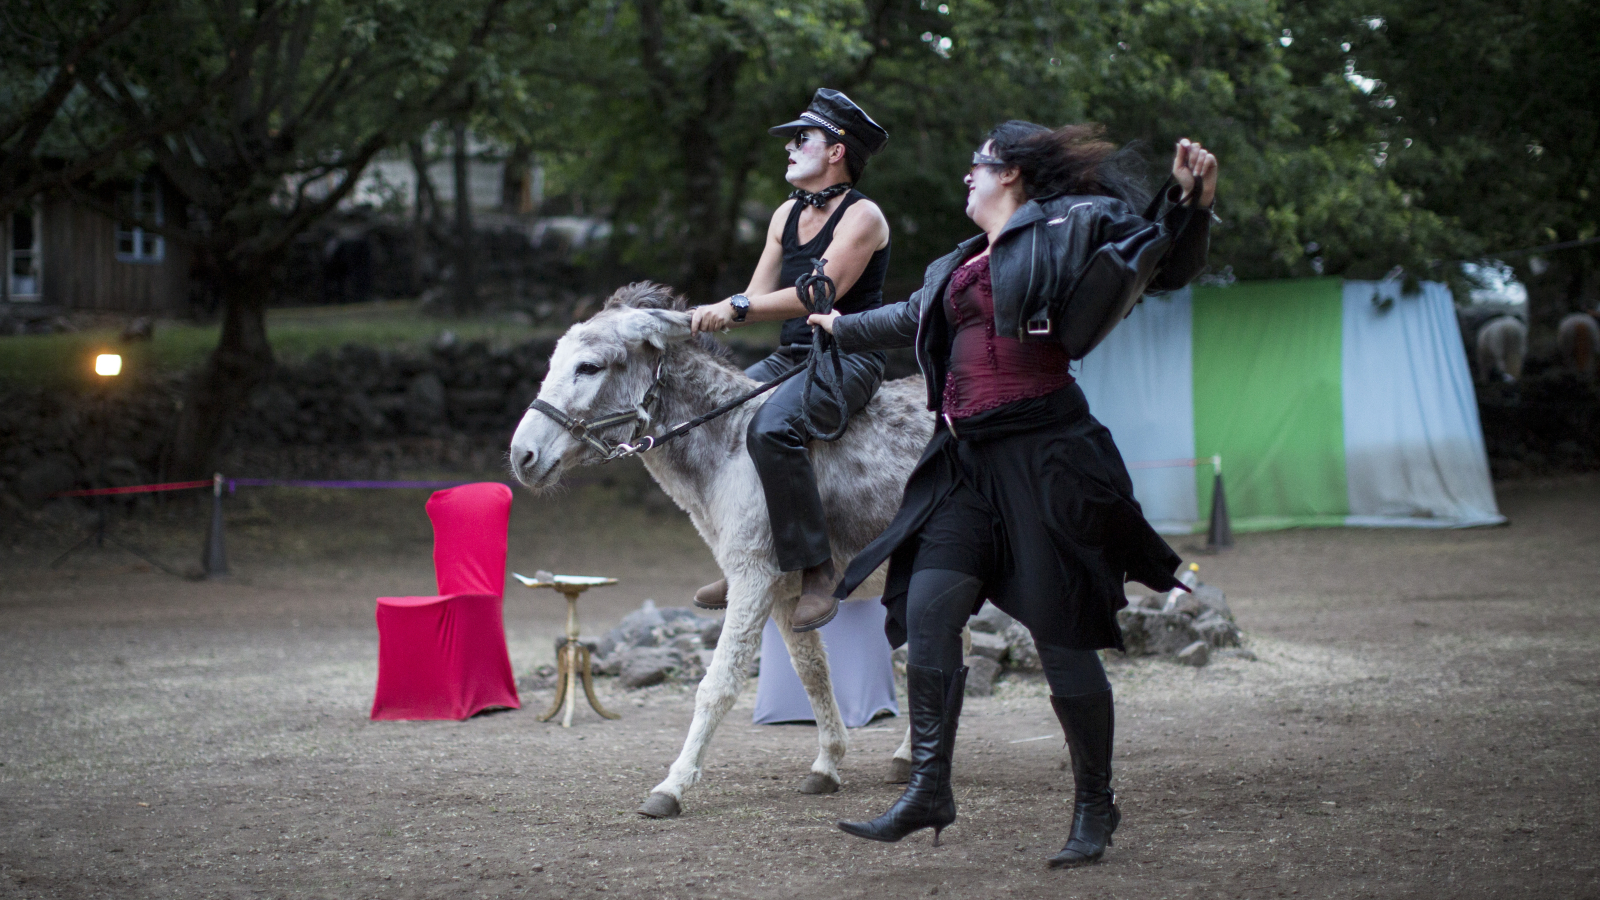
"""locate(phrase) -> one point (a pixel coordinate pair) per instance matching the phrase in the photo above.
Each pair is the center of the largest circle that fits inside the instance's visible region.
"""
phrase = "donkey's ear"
(657, 327)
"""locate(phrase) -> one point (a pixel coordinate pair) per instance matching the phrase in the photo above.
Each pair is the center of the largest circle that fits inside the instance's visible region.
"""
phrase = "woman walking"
(1021, 498)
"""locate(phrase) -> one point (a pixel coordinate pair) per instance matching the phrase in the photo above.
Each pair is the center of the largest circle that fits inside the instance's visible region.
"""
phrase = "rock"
(989, 646)
(989, 620)
(1021, 654)
(711, 632)
(688, 645)
(1236, 653)
(1216, 630)
(981, 673)
(641, 628)
(1183, 604)
(1212, 598)
(1149, 632)
(425, 401)
(1196, 654)
(644, 666)
(541, 678)
(1146, 601)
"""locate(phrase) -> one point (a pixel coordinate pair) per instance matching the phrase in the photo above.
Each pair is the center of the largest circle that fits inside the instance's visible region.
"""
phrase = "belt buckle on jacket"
(1039, 326)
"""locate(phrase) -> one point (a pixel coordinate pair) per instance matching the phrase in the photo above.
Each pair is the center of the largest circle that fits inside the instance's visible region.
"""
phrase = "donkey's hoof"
(819, 784)
(661, 806)
(899, 771)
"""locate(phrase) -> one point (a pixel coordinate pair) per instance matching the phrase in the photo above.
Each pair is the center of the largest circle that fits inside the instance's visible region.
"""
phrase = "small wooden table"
(572, 658)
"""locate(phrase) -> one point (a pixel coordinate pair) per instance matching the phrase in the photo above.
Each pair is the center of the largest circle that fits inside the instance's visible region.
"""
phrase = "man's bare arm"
(860, 233)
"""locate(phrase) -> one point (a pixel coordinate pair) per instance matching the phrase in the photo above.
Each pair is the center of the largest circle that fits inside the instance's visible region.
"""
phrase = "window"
(22, 267)
(134, 244)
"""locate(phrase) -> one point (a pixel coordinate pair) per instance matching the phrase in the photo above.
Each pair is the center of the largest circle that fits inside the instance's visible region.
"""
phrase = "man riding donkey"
(824, 218)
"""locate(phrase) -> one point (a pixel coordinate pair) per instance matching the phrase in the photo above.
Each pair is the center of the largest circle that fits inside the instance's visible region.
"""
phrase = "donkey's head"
(599, 367)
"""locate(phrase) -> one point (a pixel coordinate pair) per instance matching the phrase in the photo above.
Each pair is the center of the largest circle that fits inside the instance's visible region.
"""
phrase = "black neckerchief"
(820, 198)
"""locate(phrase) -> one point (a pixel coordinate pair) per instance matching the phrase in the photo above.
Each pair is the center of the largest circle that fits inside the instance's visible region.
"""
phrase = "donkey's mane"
(650, 295)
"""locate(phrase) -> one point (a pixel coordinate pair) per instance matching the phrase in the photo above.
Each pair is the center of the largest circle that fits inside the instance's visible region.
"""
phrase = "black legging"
(937, 608)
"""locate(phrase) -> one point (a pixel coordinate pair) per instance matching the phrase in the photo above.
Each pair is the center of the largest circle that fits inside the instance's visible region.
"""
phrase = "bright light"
(108, 364)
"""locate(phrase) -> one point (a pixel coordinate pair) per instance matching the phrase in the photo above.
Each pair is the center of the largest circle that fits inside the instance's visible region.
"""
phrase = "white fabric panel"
(1414, 450)
(1140, 385)
(859, 664)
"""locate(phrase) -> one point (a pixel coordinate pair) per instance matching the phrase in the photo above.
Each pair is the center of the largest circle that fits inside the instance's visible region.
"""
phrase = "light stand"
(106, 366)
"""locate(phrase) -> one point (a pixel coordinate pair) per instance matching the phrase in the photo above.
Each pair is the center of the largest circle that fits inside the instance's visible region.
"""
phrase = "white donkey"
(609, 363)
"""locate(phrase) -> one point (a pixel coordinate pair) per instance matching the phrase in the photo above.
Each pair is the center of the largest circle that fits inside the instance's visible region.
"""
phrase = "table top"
(546, 579)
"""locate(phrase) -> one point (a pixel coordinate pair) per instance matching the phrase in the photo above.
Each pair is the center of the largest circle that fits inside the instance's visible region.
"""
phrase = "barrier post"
(1220, 533)
(215, 562)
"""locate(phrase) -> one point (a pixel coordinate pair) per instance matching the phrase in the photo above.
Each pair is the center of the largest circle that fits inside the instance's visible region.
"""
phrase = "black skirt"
(1067, 531)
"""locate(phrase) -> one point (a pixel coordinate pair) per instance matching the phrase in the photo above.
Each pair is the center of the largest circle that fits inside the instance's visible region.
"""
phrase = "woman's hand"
(1191, 161)
(825, 321)
(716, 317)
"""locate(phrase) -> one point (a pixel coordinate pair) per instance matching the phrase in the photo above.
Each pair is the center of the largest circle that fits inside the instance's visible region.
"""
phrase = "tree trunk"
(710, 225)
(423, 211)
(466, 277)
(1557, 289)
(241, 361)
(516, 181)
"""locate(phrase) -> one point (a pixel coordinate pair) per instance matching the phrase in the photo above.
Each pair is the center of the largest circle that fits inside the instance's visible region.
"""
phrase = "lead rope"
(817, 292)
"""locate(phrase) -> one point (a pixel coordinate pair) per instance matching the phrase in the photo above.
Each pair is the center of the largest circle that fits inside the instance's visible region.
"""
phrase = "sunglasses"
(980, 158)
(800, 138)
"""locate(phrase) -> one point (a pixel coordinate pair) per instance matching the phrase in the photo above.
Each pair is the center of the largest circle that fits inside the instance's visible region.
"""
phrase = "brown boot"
(817, 605)
(713, 595)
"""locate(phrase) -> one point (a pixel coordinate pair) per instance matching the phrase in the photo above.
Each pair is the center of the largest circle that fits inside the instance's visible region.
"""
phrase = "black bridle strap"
(585, 430)
(724, 409)
(817, 292)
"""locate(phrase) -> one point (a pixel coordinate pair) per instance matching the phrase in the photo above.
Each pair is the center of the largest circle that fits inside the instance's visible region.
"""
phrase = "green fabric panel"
(1268, 398)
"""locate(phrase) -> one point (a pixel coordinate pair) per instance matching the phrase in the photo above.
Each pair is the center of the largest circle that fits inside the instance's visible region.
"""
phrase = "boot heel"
(936, 836)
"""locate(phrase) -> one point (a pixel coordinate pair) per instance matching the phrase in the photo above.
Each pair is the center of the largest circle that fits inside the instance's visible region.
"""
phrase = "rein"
(816, 291)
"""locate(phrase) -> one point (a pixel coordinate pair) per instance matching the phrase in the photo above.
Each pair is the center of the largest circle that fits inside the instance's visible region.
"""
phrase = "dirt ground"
(1421, 722)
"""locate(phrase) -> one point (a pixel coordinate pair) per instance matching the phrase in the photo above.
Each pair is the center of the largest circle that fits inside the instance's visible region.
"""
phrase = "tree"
(1487, 113)
(663, 107)
(660, 108)
(322, 87)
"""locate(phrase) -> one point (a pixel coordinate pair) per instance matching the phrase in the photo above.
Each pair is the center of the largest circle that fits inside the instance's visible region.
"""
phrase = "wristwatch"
(741, 306)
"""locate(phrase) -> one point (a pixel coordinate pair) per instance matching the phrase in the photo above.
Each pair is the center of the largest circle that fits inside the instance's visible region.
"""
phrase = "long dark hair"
(1072, 159)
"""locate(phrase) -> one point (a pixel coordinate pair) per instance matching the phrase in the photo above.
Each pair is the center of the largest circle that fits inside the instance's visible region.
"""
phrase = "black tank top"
(866, 293)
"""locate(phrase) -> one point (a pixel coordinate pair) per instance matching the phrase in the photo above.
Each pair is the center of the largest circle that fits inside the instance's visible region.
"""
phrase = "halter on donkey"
(635, 359)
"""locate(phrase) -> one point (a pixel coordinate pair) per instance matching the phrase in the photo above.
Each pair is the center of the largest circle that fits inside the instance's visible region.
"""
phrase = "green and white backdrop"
(1330, 402)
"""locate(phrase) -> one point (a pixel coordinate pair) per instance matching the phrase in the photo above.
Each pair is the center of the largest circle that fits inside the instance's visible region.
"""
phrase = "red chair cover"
(444, 657)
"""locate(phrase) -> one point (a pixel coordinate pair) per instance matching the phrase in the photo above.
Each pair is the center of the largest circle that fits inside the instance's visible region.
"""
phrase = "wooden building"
(63, 255)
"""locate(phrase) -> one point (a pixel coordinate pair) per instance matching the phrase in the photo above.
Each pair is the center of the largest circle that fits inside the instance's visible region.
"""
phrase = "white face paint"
(983, 185)
(808, 157)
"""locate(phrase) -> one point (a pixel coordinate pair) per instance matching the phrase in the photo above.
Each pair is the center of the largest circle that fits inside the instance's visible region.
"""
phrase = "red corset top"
(988, 371)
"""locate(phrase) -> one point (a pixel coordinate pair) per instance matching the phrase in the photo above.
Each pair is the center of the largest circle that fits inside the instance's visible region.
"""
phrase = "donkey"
(1502, 342)
(636, 353)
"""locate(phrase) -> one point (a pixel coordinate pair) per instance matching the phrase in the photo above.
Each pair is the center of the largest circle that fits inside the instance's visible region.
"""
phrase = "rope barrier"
(1215, 461)
(235, 483)
(136, 489)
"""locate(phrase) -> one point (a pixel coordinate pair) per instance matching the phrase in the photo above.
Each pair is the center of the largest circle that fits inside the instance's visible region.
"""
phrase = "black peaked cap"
(847, 123)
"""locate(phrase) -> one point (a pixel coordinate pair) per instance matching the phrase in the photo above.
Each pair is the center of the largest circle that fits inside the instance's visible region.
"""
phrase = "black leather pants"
(777, 446)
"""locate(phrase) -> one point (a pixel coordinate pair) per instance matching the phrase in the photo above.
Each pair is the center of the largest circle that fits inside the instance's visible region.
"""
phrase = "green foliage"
(1485, 110)
(656, 112)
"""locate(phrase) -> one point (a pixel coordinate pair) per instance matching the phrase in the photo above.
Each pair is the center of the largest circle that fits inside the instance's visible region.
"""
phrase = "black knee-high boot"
(928, 801)
(1088, 721)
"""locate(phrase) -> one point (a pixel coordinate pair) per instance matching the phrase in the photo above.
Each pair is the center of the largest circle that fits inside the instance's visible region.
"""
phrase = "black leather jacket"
(1043, 246)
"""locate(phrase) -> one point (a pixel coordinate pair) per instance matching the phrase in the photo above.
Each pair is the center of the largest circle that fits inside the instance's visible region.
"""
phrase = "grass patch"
(296, 333)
